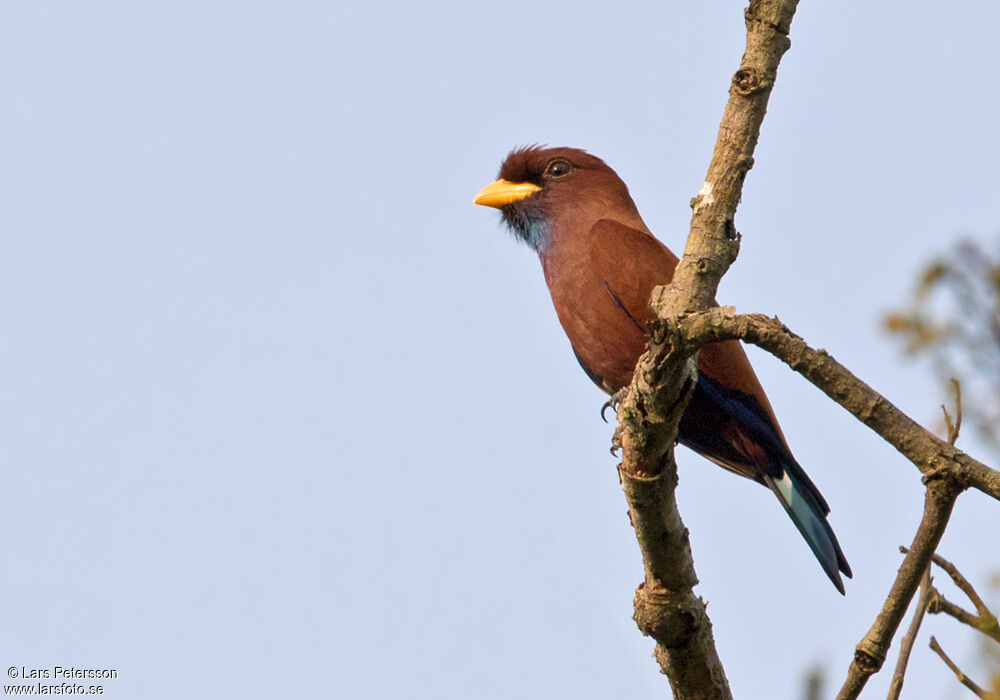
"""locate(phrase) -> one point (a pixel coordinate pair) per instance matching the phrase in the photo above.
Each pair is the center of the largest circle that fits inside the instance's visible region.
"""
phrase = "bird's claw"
(607, 404)
(614, 402)
(616, 442)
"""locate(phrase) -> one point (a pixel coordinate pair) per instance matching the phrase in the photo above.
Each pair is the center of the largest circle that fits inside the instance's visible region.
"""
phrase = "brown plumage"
(601, 264)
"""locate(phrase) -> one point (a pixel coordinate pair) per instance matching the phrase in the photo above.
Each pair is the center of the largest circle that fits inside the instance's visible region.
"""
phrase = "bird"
(601, 263)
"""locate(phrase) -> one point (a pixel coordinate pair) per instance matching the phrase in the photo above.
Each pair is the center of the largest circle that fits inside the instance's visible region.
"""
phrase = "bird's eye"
(558, 168)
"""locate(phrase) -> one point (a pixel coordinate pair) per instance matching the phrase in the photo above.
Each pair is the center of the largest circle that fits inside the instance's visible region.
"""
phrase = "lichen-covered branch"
(665, 606)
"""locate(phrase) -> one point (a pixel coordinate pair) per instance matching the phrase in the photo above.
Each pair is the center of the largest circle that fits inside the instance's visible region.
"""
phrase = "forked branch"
(665, 605)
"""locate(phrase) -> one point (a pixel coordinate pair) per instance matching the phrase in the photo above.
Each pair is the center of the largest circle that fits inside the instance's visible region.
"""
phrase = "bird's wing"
(631, 262)
(728, 418)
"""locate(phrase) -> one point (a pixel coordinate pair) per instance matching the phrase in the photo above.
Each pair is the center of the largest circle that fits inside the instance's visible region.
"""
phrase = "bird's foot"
(614, 402)
(616, 441)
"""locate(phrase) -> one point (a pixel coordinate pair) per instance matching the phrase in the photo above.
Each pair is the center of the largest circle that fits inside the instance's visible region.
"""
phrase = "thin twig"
(984, 621)
(906, 646)
(940, 604)
(954, 428)
(870, 653)
(814, 684)
(963, 584)
(963, 679)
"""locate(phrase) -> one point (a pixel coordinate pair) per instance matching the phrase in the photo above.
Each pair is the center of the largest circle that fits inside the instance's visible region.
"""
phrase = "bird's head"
(542, 188)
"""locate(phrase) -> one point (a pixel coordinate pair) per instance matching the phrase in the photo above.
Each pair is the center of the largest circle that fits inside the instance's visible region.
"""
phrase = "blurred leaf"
(931, 275)
(953, 320)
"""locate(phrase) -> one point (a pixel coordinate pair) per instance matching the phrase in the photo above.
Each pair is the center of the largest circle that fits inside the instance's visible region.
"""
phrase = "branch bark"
(931, 455)
(939, 500)
(984, 620)
(648, 416)
(959, 674)
(931, 601)
(665, 605)
(898, 675)
(946, 470)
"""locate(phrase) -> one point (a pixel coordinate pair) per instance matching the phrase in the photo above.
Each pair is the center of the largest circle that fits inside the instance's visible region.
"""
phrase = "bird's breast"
(606, 339)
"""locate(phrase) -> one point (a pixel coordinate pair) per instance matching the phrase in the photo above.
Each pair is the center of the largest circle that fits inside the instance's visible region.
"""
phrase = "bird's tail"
(808, 511)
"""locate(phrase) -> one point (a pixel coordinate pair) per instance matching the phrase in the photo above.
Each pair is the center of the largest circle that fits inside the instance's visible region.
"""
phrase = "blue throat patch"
(529, 227)
(536, 234)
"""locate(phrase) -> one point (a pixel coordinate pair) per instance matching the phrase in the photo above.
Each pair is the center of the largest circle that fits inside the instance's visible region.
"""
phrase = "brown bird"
(601, 264)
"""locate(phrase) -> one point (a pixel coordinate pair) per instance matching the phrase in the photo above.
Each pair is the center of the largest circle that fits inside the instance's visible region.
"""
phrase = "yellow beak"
(497, 194)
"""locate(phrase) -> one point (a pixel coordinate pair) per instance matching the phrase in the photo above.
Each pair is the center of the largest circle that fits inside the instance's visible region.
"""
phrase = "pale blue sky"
(283, 415)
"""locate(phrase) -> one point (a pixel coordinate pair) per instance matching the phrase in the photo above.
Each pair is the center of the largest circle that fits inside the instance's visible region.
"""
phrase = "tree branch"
(713, 243)
(665, 605)
(963, 679)
(870, 653)
(946, 470)
(954, 427)
(984, 621)
(931, 455)
(906, 646)
(931, 601)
